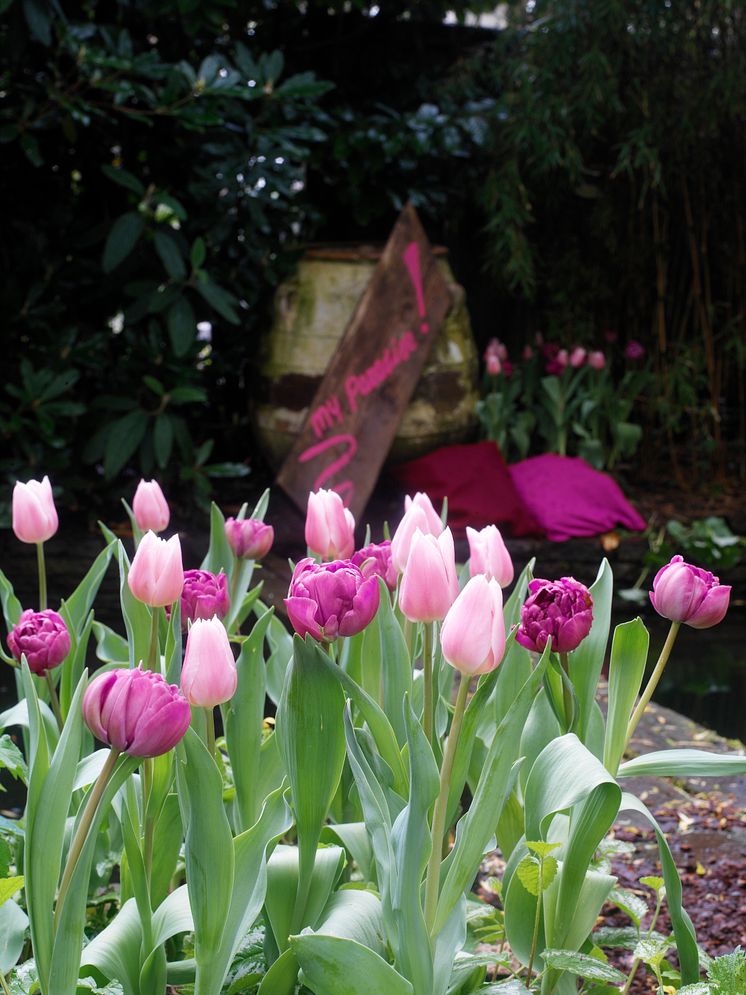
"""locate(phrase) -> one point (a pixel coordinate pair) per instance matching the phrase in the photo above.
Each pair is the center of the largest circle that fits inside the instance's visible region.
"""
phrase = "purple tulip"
(327, 600)
(376, 559)
(249, 538)
(634, 350)
(204, 595)
(685, 593)
(136, 712)
(560, 610)
(42, 637)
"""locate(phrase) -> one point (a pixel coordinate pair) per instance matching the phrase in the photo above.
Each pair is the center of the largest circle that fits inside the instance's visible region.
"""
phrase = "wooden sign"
(370, 379)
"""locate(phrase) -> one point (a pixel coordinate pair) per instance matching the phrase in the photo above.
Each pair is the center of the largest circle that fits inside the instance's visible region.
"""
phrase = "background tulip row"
(329, 848)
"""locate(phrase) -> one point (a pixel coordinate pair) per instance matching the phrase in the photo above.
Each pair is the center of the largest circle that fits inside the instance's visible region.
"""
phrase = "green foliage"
(728, 973)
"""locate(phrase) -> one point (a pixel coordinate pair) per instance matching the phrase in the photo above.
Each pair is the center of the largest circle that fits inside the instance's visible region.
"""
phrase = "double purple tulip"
(42, 637)
(327, 600)
(376, 559)
(559, 611)
(685, 593)
(203, 596)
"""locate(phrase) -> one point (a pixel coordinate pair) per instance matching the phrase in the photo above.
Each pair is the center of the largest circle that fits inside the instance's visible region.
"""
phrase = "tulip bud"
(156, 575)
(326, 600)
(375, 559)
(208, 674)
(34, 514)
(596, 359)
(429, 584)
(204, 594)
(42, 637)
(558, 611)
(249, 538)
(473, 633)
(488, 555)
(685, 593)
(136, 712)
(330, 527)
(418, 514)
(150, 507)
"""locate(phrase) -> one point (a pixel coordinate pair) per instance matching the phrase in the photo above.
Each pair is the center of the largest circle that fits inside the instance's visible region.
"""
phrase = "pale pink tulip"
(488, 555)
(208, 674)
(156, 576)
(418, 514)
(34, 514)
(330, 527)
(578, 357)
(150, 507)
(596, 359)
(429, 584)
(473, 632)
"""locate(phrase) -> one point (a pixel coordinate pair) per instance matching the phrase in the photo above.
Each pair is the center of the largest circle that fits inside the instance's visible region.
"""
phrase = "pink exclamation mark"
(411, 257)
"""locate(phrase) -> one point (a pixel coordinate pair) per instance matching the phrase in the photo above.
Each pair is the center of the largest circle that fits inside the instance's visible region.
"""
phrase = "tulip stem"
(54, 700)
(566, 691)
(41, 566)
(154, 655)
(652, 684)
(427, 687)
(147, 817)
(432, 882)
(210, 727)
(4, 983)
(84, 826)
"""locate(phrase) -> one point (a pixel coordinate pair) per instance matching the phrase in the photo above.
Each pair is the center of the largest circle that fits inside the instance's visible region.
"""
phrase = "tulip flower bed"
(420, 719)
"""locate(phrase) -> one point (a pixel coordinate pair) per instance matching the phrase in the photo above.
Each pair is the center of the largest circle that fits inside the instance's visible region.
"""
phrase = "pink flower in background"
(578, 357)
(527, 354)
(429, 584)
(610, 336)
(34, 514)
(208, 674)
(330, 527)
(488, 555)
(136, 712)
(150, 507)
(249, 538)
(558, 611)
(596, 359)
(41, 637)
(685, 593)
(327, 600)
(634, 350)
(376, 559)
(203, 595)
(473, 632)
(494, 366)
(557, 360)
(156, 576)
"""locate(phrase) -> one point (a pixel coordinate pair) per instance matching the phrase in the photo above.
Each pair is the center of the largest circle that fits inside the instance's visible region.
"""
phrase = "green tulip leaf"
(335, 965)
(629, 654)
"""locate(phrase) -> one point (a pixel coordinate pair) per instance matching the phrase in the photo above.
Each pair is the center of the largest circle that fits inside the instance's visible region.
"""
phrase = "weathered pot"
(312, 310)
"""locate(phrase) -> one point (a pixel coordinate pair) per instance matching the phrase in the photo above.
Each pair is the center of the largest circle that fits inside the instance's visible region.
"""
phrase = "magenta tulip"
(203, 595)
(150, 507)
(34, 514)
(208, 674)
(156, 575)
(634, 350)
(685, 593)
(558, 611)
(249, 538)
(136, 712)
(330, 527)
(473, 632)
(488, 555)
(429, 584)
(376, 559)
(327, 600)
(41, 637)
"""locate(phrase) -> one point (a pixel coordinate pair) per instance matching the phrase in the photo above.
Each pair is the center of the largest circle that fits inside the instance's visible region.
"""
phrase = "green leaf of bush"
(582, 965)
(121, 240)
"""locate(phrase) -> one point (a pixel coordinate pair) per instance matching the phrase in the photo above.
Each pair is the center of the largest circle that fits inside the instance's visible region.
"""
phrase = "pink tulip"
(249, 538)
(34, 514)
(203, 595)
(596, 359)
(473, 632)
(41, 637)
(527, 354)
(418, 514)
(330, 527)
(150, 507)
(208, 674)
(136, 712)
(429, 583)
(156, 575)
(327, 600)
(376, 559)
(493, 364)
(488, 555)
(685, 593)
(578, 357)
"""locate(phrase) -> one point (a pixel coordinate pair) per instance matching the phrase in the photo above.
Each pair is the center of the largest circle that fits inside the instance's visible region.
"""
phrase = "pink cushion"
(569, 498)
(477, 483)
